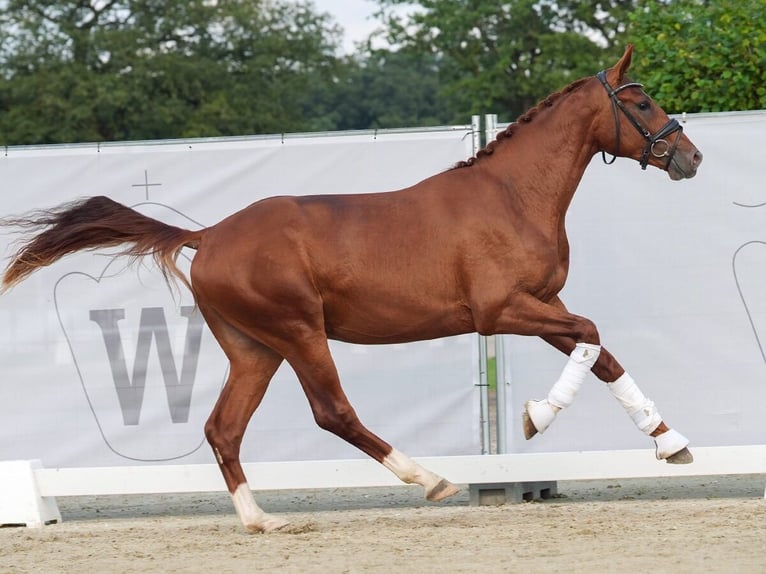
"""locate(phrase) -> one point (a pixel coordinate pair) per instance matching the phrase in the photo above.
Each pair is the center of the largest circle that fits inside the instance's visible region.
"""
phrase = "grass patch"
(492, 372)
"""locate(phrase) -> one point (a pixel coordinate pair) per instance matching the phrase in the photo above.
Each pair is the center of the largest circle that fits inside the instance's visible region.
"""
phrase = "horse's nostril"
(697, 158)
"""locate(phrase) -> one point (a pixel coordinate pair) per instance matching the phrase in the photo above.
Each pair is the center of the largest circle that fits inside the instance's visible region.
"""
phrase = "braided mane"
(525, 118)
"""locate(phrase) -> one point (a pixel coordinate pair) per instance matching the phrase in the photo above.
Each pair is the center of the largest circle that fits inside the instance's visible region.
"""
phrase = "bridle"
(656, 144)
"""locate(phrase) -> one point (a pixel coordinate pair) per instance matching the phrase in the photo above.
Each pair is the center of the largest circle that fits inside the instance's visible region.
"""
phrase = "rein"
(656, 144)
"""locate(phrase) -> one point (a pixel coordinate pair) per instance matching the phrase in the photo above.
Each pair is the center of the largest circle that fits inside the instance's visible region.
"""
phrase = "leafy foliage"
(96, 70)
(702, 56)
(388, 89)
(505, 57)
(142, 69)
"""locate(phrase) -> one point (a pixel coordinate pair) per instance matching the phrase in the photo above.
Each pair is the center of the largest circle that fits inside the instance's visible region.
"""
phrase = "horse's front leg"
(579, 338)
(671, 445)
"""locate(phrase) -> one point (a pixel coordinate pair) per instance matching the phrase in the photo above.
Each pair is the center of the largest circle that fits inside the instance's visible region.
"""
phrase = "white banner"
(102, 365)
(674, 276)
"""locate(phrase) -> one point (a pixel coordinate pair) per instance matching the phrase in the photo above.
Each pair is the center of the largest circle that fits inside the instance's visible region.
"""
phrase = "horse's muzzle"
(684, 165)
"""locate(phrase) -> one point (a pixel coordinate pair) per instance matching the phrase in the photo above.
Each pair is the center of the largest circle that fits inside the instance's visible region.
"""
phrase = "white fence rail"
(476, 469)
(29, 491)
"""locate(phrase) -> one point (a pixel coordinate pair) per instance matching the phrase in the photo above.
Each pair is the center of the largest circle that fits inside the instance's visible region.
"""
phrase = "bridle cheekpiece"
(656, 144)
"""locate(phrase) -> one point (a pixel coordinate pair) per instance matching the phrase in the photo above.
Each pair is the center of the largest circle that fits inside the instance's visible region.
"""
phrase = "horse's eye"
(645, 105)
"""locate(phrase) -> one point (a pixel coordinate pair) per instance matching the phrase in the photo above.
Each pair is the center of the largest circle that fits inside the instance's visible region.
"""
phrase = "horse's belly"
(390, 324)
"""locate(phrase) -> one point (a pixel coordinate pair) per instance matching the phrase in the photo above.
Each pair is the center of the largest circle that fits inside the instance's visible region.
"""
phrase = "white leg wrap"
(669, 443)
(563, 392)
(581, 360)
(641, 410)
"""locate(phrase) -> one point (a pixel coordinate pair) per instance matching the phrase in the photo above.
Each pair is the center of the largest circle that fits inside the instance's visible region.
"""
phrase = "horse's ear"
(616, 74)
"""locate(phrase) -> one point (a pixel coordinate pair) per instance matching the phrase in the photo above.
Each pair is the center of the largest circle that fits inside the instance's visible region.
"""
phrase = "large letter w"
(130, 392)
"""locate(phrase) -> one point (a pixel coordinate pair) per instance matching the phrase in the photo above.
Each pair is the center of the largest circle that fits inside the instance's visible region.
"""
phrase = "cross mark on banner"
(146, 185)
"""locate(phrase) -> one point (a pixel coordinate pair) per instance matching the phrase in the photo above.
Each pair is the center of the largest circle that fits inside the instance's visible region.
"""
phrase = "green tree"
(702, 56)
(507, 56)
(93, 70)
(390, 89)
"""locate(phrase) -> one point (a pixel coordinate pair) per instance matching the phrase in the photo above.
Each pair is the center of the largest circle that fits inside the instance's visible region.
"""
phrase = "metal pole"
(483, 382)
(490, 127)
(501, 424)
(484, 396)
(476, 133)
(501, 396)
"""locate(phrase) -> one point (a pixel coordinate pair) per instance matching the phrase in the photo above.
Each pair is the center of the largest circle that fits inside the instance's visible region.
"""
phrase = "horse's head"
(635, 126)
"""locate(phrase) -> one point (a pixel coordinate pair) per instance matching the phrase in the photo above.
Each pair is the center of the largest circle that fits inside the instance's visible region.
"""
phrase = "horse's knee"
(587, 331)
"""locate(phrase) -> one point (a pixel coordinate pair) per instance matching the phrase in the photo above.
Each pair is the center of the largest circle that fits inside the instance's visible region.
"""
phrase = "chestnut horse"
(478, 248)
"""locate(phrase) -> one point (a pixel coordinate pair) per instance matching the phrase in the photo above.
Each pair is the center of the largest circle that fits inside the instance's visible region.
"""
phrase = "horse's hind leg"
(251, 367)
(226, 426)
(332, 411)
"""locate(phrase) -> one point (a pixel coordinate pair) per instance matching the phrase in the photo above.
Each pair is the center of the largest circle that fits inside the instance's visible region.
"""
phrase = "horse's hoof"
(538, 416)
(443, 490)
(527, 425)
(683, 456)
(268, 523)
(671, 446)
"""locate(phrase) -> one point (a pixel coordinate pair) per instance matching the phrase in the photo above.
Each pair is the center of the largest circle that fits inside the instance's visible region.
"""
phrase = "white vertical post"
(490, 127)
(476, 133)
(490, 134)
(20, 500)
(483, 381)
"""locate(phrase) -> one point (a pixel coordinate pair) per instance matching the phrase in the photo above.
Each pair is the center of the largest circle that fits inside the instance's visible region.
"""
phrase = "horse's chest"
(548, 269)
(545, 279)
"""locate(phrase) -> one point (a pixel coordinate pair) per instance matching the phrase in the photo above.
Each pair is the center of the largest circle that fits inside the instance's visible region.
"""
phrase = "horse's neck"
(543, 162)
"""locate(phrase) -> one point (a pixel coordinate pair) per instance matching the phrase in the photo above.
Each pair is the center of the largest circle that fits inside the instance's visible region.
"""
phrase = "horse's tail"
(94, 223)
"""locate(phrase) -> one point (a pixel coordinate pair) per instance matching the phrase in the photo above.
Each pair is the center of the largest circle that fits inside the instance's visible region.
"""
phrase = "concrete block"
(497, 494)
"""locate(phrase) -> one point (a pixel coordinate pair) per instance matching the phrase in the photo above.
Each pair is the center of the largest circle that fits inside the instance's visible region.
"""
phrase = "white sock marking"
(409, 471)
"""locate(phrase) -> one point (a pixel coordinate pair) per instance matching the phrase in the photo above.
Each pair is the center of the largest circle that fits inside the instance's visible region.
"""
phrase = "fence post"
(20, 500)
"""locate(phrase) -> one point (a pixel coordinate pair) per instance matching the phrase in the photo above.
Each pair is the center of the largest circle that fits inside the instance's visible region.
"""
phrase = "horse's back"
(379, 267)
(389, 229)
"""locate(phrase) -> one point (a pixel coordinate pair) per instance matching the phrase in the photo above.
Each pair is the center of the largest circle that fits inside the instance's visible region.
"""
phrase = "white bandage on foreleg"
(641, 410)
(580, 361)
(563, 392)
